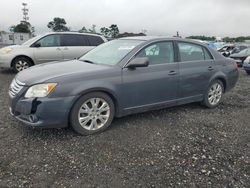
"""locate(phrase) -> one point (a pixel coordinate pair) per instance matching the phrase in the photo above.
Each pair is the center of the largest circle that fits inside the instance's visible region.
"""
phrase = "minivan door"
(74, 46)
(47, 49)
(157, 84)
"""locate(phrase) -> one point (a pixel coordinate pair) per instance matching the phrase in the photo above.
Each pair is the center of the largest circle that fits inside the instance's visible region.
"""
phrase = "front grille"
(15, 87)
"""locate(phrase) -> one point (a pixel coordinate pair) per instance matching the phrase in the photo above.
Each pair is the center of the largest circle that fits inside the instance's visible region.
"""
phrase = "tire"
(94, 119)
(213, 94)
(248, 72)
(21, 63)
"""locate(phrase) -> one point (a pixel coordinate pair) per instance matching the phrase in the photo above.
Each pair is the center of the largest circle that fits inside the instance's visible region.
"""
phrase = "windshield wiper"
(87, 61)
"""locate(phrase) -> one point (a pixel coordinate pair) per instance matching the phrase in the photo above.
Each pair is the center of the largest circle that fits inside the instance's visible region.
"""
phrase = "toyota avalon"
(118, 78)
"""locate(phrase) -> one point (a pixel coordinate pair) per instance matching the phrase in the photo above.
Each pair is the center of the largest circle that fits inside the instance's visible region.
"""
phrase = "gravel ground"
(185, 146)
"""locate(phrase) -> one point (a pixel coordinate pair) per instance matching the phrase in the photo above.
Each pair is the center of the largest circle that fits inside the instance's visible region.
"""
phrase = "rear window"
(193, 52)
(95, 40)
(74, 40)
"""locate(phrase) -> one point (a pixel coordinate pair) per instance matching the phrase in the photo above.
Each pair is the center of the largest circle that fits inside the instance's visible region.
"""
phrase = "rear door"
(196, 67)
(74, 45)
(48, 49)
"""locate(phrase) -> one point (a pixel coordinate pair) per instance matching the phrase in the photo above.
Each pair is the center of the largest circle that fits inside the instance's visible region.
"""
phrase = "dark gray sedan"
(118, 78)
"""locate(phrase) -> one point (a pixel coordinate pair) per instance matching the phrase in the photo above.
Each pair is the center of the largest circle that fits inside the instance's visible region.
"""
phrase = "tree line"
(59, 24)
(225, 39)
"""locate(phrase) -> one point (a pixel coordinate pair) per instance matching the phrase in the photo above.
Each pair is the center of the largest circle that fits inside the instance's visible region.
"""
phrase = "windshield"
(30, 41)
(110, 53)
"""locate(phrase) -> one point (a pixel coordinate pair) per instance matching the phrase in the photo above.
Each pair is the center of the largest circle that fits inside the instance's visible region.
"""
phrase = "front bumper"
(42, 112)
(5, 60)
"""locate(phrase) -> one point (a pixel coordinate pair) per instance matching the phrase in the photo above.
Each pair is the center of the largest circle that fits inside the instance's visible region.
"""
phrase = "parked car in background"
(227, 49)
(118, 78)
(239, 47)
(246, 65)
(55, 46)
(241, 56)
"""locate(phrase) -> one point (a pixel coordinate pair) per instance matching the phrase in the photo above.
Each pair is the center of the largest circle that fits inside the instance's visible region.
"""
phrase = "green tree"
(105, 31)
(23, 27)
(58, 24)
(114, 30)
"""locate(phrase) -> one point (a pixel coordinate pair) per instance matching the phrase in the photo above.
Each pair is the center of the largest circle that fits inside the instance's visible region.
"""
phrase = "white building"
(7, 38)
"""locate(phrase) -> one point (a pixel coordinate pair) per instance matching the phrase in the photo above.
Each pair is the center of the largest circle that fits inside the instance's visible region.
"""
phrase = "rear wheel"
(21, 63)
(92, 113)
(214, 94)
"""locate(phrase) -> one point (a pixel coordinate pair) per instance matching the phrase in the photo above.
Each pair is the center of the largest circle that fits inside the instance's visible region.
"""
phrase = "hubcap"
(21, 65)
(94, 113)
(215, 94)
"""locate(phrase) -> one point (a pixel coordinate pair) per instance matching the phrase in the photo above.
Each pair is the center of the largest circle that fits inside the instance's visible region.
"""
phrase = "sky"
(158, 17)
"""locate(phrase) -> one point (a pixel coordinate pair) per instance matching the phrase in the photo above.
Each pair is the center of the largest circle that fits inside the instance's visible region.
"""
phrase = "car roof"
(156, 38)
(72, 32)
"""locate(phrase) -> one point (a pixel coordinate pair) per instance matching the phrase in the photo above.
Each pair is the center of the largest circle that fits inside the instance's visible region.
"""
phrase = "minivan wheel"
(214, 94)
(92, 113)
(21, 63)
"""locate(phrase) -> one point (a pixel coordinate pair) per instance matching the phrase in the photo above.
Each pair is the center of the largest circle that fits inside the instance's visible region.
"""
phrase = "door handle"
(210, 68)
(65, 48)
(172, 73)
(58, 49)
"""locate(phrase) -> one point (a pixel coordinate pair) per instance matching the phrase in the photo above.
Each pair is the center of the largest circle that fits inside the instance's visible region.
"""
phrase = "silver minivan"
(56, 46)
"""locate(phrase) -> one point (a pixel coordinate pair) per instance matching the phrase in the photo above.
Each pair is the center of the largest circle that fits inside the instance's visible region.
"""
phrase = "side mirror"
(37, 45)
(138, 62)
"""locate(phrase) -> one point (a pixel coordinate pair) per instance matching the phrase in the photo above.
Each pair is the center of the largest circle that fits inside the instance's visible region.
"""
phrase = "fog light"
(33, 118)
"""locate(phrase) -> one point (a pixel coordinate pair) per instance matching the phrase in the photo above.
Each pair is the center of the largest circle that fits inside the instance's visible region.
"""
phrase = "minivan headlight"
(40, 90)
(6, 50)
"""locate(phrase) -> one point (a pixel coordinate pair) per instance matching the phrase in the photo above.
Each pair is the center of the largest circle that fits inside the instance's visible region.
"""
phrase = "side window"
(74, 40)
(190, 52)
(158, 53)
(94, 40)
(49, 41)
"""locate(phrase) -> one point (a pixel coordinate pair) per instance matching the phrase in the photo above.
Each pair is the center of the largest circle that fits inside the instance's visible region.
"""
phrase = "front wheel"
(21, 63)
(214, 94)
(92, 113)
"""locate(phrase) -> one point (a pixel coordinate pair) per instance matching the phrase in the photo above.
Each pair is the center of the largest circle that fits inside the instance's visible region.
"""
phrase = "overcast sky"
(158, 17)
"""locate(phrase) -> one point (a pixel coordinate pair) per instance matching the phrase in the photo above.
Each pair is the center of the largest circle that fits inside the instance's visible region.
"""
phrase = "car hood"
(44, 72)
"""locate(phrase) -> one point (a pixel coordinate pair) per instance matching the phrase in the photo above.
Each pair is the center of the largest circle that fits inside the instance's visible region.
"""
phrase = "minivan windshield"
(30, 41)
(110, 53)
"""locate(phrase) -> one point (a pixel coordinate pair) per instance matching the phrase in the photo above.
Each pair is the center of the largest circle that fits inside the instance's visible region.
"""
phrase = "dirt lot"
(186, 146)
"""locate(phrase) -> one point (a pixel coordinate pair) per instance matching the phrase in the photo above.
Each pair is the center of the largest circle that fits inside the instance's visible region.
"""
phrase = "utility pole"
(25, 13)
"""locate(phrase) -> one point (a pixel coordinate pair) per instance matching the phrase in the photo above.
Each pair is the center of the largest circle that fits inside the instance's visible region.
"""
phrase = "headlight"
(6, 50)
(40, 90)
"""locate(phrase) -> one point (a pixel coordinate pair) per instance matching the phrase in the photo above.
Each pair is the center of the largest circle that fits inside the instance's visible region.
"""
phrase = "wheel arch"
(108, 92)
(25, 56)
(222, 79)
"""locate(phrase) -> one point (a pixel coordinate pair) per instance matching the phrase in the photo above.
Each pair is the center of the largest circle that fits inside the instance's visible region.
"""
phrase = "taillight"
(236, 65)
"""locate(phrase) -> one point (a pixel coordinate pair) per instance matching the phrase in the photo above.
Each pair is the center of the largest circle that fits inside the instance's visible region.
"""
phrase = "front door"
(156, 84)
(48, 49)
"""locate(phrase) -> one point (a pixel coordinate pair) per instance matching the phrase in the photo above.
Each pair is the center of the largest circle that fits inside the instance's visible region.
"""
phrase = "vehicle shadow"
(7, 71)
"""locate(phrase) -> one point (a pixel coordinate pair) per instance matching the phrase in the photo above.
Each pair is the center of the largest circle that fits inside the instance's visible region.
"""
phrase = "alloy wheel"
(215, 94)
(21, 65)
(94, 113)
